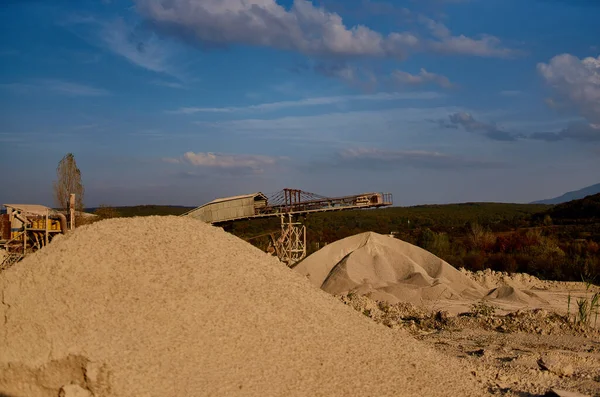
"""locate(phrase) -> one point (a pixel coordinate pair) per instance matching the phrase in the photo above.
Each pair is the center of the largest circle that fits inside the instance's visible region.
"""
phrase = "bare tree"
(69, 181)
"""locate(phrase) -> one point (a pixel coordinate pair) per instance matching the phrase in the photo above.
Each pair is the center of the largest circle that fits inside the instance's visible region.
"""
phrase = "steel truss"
(290, 247)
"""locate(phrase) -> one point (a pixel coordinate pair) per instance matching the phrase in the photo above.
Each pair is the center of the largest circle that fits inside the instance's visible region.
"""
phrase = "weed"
(583, 310)
(482, 309)
(587, 307)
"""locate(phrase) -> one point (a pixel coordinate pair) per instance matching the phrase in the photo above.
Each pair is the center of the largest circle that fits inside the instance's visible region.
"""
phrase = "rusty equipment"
(26, 228)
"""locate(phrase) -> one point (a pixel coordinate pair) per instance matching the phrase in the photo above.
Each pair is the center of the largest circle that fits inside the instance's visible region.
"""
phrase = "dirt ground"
(527, 352)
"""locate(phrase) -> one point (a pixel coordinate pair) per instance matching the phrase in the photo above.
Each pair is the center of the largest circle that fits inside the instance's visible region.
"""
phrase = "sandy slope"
(166, 306)
(518, 340)
(387, 268)
(524, 353)
(392, 270)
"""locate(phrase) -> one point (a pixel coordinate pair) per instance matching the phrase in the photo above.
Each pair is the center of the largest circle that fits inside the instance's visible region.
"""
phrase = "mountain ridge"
(570, 196)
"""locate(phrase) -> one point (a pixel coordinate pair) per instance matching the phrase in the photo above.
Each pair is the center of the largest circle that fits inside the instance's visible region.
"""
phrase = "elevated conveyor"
(288, 205)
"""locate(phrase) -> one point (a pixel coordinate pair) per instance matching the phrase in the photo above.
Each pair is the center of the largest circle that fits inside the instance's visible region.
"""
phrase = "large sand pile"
(174, 307)
(389, 269)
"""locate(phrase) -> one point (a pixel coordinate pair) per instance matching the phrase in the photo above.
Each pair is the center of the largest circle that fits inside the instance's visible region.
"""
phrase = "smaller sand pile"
(418, 320)
(491, 279)
(511, 294)
(399, 315)
(388, 269)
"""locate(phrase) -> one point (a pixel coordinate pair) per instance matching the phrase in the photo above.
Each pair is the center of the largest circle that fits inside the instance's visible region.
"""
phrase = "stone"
(74, 391)
(556, 367)
(478, 353)
(564, 393)
(567, 370)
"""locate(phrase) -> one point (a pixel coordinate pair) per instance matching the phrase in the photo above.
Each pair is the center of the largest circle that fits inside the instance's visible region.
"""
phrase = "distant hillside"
(147, 210)
(575, 195)
(586, 210)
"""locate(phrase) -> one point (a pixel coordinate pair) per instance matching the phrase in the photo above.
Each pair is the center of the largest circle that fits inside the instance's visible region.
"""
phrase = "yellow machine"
(26, 228)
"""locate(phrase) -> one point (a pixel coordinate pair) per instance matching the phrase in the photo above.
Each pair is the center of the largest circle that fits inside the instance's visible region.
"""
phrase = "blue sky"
(182, 101)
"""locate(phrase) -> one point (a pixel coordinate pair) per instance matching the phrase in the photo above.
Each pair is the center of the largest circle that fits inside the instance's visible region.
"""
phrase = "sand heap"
(167, 306)
(389, 269)
(492, 279)
(392, 270)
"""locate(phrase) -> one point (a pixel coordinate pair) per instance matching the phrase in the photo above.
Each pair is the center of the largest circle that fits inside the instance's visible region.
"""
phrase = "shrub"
(106, 212)
(436, 243)
(474, 261)
(481, 238)
(503, 263)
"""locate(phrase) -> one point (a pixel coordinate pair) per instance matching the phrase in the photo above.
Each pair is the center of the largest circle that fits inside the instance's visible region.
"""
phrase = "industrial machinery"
(289, 205)
(26, 228)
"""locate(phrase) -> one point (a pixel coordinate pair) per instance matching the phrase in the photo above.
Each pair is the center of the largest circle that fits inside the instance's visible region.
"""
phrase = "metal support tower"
(290, 247)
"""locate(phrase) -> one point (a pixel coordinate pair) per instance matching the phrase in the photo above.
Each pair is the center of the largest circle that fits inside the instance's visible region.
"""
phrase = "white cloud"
(446, 43)
(423, 77)
(316, 101)
(303, 28)
(576, 81)
(254, 163)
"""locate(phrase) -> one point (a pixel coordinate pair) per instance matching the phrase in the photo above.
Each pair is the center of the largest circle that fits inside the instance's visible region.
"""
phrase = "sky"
(182, 101)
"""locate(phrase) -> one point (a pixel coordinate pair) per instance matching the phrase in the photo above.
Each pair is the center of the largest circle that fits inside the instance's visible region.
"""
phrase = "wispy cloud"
(445, 42)
(366, 158)
(511, 93)
(140, 47)
(582, 132)
(247, 162)
(575, 131)
(82, 127)
(316, 101)
(423, 77)
(352, 75)
(61, 87)
(466, 121)
(335, 129)
(169, 84)
(134, 42)
(73, 89)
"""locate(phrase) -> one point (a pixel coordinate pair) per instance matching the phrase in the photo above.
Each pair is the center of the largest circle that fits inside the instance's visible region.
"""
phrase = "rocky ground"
(524, 353)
